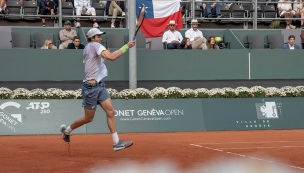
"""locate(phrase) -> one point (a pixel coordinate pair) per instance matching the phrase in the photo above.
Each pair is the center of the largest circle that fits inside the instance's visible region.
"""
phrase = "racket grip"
(134, 37)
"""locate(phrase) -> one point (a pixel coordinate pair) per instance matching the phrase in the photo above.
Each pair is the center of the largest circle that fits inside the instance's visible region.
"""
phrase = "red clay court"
(45, 153)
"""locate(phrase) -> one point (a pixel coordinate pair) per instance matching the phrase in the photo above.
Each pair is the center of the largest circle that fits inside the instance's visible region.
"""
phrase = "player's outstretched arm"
(107, 55)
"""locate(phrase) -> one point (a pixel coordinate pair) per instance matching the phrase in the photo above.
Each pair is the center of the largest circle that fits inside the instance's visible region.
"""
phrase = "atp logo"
(10, 120)
(266, 110)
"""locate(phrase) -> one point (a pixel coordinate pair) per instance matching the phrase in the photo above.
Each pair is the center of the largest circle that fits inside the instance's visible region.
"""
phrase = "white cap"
(94, 31)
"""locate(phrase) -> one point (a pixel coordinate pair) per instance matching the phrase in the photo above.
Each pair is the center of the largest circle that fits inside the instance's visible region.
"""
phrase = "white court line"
(246, 156)
(260, 147)
(250, 142)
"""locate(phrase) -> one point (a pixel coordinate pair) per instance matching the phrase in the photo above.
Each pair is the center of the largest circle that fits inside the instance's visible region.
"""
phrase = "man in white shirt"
(94, 92)
(285, 10)
(291, 45)
(196, 36)
(172, 37)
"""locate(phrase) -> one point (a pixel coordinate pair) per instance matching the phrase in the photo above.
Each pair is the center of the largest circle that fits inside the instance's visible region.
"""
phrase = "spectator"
(291, 45)
(115, 8)
(66, 35)
(298, 8)
(84, 7)
(196, 36)
(3, 7)
(286, 11)
(213, 9)
(172, 37)
(76, 44)
(185, 44)
(46, 6)
(211, 44)
(48, 44)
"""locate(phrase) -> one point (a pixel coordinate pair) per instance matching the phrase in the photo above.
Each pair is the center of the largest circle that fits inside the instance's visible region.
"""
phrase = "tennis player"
(93, 89)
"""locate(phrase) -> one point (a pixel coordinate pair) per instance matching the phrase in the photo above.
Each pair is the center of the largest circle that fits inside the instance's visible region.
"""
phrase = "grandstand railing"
(254, 19)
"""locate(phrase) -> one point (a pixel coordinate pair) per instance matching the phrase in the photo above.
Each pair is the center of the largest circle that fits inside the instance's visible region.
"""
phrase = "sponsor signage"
(253, 114)
(152, 115)
(27, 117)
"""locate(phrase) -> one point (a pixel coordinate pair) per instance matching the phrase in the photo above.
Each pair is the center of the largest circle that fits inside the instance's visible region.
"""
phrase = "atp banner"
(29, 117)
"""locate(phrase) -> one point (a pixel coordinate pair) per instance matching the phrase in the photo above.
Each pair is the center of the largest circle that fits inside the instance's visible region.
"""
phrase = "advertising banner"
(152, 115)
(253, 113)
(27, 117)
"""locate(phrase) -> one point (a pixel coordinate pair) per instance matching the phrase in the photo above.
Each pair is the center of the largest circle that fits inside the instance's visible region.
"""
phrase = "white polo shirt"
(94, 67)
(171, 36)
(191, 34)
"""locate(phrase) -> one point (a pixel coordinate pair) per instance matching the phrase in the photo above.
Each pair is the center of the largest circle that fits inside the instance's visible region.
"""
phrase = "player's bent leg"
(87, 118)
(107, 106)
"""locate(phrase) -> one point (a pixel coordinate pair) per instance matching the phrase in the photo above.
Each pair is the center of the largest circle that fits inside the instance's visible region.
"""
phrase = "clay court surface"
(49, 153)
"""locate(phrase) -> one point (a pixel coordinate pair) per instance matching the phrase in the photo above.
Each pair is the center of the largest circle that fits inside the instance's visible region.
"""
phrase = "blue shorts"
(94, 94)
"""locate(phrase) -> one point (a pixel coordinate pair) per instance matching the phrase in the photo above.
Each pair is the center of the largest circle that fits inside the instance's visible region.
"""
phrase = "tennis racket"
(140, 20)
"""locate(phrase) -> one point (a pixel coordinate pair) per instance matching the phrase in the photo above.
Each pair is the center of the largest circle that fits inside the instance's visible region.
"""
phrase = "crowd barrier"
(32, 117)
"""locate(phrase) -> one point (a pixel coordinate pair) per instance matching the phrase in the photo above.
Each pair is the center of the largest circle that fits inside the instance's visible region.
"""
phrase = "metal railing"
(59, 17)
(254, 18)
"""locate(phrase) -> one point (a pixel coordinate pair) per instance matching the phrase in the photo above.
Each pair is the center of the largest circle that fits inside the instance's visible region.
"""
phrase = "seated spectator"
(196, 36)
(185, 44)
(211, 44)
(213, 9)
(66, 35)
(84, 7)
(172, 37)
(115, 8)
(298, 8)
(285, 10)
(3, 7)
(291, 45)
(48, 44)
(76, 44)
(46, 6)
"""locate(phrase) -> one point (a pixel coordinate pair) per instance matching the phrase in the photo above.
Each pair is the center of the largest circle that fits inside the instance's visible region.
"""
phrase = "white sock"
(115, 138)
(68, 130)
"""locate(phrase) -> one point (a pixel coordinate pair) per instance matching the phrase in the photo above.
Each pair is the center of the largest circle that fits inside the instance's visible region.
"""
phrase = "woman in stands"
(185, 44)
(285, 10)
(48, 44)
(298, 8)
(211, 44)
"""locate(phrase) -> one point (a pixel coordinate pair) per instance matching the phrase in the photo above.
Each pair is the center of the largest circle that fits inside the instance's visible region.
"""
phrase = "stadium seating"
(100, 10)
(141, 41)
(255, 41)
(276, 41)
(14, 7)
(259, 12)
(269, 12)
(115, 40)
(240, 37)
(40, 37)
(67, 10)
(21, 40)
(237, 11)
(225, 11)
(30, 8)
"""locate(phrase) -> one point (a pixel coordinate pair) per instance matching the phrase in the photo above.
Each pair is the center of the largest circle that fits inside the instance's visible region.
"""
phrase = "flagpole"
(132, 51)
